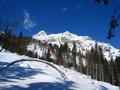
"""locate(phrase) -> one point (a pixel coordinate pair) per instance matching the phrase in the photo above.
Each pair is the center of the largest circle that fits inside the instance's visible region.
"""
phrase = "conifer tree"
(111, 69)
(48, 55)
(21, 37)
(80, 66)
(74, 56)
(59, 57)
(35, 55)
(117, 71)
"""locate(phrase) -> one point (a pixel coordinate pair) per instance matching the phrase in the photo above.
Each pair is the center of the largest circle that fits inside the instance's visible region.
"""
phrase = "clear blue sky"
(81, 17)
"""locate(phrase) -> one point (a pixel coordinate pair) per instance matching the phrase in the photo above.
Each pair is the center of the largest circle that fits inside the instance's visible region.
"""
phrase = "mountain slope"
(39, 76)
(83, 43)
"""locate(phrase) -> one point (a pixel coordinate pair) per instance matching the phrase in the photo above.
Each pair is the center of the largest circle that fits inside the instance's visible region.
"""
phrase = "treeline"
(101, 69)
(61, 55)
(16, 44)
(93, 63)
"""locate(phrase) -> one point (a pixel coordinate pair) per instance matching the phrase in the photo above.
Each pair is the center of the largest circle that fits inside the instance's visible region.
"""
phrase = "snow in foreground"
(39, 76)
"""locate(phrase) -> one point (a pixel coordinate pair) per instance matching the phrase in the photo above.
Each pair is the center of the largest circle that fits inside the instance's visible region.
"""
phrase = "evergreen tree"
(20, 45)
(48, 55)
(111, 69)
(30, 54)
(80, 66)
(21, 37)
(74, 56)
(59, 57)
(35, 55)
(117, 71)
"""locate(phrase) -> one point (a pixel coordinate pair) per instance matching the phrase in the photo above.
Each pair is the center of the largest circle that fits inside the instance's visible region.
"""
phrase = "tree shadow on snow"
(103, 88)
(17, 72)
(68, 85)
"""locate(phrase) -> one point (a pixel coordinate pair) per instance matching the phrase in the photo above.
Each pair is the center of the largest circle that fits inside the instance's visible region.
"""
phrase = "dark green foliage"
(14, 43)
(48, 55)
(63, 55)
(117, 71)
(30, 54)
(5, 37)
(80, 67)
(74, 56)
(35, 55)
(101, 69)
(59, 57)
(21, 37)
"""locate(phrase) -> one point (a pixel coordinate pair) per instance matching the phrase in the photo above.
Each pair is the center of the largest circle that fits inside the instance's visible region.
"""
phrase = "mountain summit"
(83, 43)
(60, 38)
(41, 33)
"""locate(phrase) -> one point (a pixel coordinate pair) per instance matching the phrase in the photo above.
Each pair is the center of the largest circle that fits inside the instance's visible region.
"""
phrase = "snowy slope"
(83, 43)
(39, 76)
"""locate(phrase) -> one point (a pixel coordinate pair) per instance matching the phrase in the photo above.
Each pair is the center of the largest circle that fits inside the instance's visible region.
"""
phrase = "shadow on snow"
(45, 86)
(102, 87)
(17, 72)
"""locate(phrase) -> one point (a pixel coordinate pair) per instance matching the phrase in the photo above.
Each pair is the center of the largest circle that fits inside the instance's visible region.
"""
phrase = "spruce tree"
(74, 50)
(48, 55)
(117, 71)
(59, 56)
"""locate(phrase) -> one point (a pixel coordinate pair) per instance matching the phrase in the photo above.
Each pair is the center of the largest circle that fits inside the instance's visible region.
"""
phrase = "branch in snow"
(23, 60)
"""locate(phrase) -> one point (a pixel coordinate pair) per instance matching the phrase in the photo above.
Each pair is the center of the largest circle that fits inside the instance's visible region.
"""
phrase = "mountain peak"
(66, 32)
(69, 34)
(41, 33)
(84, 43)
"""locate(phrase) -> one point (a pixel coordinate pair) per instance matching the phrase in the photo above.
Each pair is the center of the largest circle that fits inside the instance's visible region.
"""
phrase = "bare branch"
(24, 60)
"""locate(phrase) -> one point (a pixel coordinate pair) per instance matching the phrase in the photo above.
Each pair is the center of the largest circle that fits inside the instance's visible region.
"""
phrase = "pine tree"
(80, 65)
(117, 71)
(74, 56)
(111, 69)
(59, 56)
(21, 37)
(22, 45)
(35, 55)
(65, 54)
(48, 55)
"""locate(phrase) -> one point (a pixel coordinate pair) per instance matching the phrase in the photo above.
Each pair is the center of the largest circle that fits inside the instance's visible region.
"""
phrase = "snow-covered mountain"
(83, 43)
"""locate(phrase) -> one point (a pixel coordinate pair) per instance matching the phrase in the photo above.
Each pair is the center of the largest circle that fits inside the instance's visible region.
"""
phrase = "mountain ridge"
(83, 43)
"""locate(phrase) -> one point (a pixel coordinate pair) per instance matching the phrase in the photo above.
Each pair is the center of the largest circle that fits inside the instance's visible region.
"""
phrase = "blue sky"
(81, 17)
